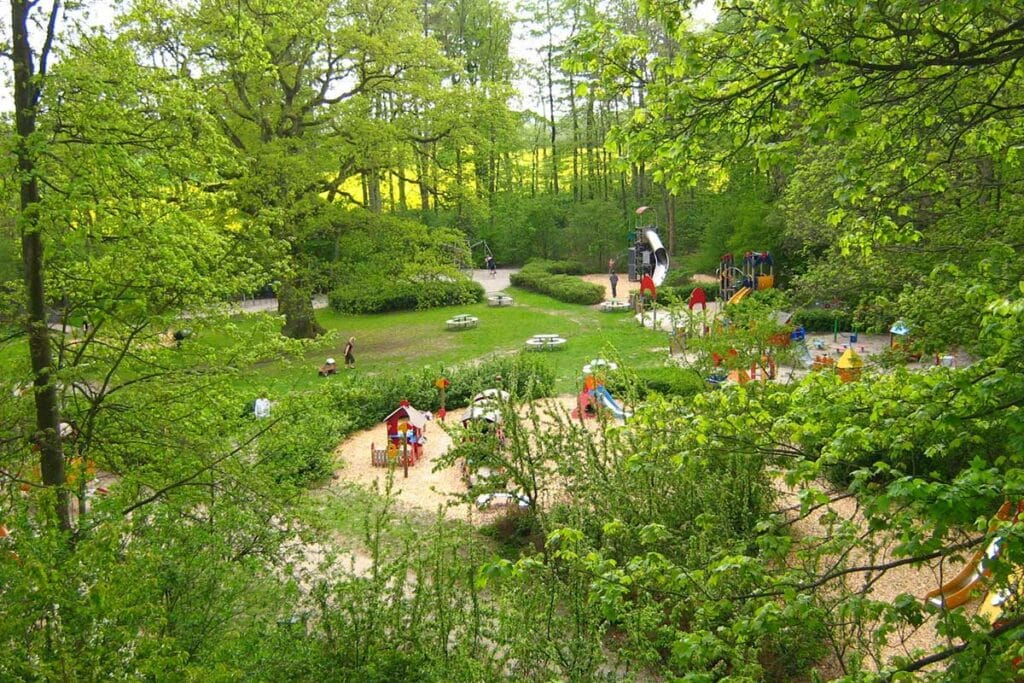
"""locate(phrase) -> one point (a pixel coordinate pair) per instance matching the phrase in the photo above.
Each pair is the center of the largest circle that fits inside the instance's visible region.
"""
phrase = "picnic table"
(499, 300)
(545, 342)
(615, 305)
(462, 322)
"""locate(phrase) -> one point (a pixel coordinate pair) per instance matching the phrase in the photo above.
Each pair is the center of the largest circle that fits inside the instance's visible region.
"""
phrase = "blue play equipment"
(604, 397)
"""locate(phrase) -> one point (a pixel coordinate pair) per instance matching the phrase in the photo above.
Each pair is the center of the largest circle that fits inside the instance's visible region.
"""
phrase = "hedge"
(682, 293)
(538, 276)
(822, 319)
(668, 381)
(556, 267)
(367, 401)
(404, 296)
(299, 450)
(678, 277)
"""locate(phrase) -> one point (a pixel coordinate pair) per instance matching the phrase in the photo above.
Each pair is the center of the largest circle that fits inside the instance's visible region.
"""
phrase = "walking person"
(491, 265)
(350, 359)
(614, 280)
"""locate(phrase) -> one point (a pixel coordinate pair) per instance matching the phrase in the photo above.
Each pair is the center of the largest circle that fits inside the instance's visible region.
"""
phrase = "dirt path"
(623, 289)
(886, 587)
(498, 282)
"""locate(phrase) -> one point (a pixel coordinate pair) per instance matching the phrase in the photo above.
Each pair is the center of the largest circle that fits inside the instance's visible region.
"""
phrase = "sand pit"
(622, 290)
(425, 489)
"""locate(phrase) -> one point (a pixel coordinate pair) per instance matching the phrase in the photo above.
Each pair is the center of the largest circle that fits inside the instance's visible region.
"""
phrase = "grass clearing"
(412, 340)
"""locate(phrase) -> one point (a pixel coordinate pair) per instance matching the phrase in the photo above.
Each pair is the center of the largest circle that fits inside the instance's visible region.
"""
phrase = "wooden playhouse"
(405, 435)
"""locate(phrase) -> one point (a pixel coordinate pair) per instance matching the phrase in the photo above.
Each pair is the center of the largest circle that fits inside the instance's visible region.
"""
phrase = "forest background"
(184, 155)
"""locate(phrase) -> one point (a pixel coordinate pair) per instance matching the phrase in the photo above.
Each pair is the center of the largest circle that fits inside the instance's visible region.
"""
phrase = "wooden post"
(405, 453)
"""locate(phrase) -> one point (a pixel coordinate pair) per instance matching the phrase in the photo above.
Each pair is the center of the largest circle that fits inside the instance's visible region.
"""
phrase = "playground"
(406, 451)
(430, 485)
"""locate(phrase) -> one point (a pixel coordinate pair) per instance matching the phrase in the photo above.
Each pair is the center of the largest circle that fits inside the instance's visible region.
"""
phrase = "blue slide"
(602, 395)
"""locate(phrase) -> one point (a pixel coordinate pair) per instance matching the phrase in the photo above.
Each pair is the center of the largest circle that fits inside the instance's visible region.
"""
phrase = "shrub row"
(822, 319)
(556, 267)
(679, 277)
(681, 294)
(404, 296)
(668, 381)
(299, 449)
(368, 401)
(567, 288)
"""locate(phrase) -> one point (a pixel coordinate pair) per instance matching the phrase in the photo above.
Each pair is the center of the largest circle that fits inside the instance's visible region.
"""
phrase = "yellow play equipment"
(849, 366)
(740, 295)
(964, 585)
(756, 271)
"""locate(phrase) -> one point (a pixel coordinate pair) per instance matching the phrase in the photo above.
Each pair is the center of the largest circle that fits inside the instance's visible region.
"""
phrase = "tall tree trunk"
(549, 70)
(670, 220)
(591, 162)
(403, 202)
(534, 172)
(374, 201)
(435, 176)
(492, 165)
(577, 186)
(391, 191)
(423, 170)
(294, 302)
(26, 98)
(459, 181)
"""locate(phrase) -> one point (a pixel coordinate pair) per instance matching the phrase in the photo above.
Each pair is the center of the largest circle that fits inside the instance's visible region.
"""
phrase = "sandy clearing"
(622, 290)
(888, 586)
(425, 489)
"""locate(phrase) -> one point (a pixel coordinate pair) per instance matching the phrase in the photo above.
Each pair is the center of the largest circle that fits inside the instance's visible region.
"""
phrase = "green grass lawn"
(414, 339)
(411, 340)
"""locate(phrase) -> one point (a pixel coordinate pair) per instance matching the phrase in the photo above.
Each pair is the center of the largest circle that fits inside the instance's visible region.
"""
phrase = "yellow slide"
(961, 587)
(740, 295)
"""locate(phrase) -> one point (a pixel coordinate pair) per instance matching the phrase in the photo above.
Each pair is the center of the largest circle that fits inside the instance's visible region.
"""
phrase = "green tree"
(300, 92)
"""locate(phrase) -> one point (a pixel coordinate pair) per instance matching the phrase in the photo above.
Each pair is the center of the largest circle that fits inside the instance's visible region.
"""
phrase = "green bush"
(547, 277)
(556, 267)
(822, 319)
(681, 294)
(668, 381)
(679, 277)
(403, 296)
(298, 449)
(367, 401)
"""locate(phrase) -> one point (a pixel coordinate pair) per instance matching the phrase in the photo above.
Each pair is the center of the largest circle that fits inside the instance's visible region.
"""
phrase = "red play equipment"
(405, 439)
(698, 298)
(647, 285)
